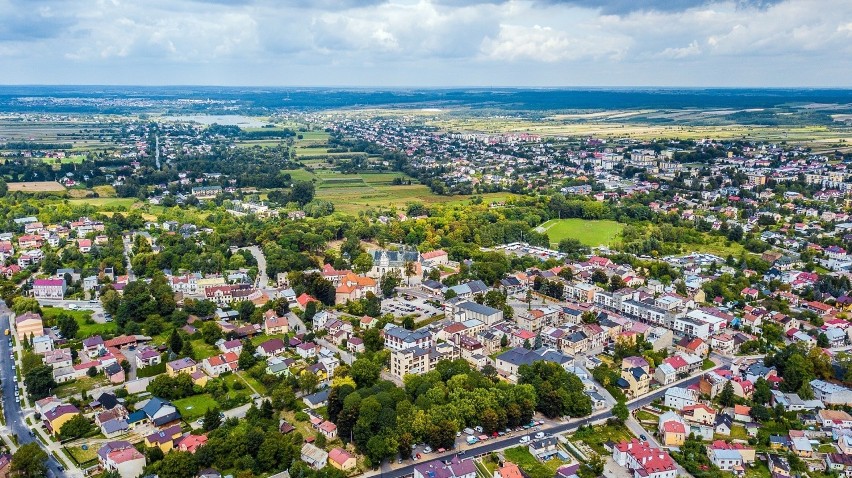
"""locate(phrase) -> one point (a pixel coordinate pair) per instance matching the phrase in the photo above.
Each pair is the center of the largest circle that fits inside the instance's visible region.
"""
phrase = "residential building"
(643, 460)
(49, 288)
(314, 456)
(121, 457)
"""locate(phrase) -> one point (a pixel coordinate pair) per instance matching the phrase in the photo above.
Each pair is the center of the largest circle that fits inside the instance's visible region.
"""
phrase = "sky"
(422, 43)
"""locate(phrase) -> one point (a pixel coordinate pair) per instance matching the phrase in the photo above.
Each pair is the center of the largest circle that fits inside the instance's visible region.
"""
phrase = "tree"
(599, 276)
(39, 382)
(364, 372)
(245, 309)
(302, 192)
(212, 420)
(504, 341)
(390, 282)
(762, 391)
(616, 283)
(373, 341)
(68, 326)
(21, 305)
(247, 358)
(176, 464)
(29, 461)
(308, 381)
(76, 427)
(726, 396)
(92, 371)
(362, 263)
(310, 311)
(620, 411)
(409, 270)
(822, 340)
(210, 332)
(176, 342)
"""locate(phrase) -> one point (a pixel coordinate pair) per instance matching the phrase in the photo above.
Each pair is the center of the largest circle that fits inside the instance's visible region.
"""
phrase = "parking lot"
(402, 306)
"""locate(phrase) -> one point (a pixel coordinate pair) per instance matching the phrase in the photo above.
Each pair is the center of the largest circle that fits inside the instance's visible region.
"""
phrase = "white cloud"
(542, 43)
(692, 49)
(411, 42)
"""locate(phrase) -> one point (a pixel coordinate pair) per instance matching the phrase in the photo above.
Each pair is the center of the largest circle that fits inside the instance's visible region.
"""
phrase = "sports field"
(590, 233)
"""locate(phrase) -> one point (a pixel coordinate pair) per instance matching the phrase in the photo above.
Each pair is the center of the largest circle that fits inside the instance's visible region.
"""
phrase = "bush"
(302, 416)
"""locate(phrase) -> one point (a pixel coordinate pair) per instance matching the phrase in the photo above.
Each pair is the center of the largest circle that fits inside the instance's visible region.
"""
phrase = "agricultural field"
(590, 232)
(111, 203)
(351, 193)
(37, 187)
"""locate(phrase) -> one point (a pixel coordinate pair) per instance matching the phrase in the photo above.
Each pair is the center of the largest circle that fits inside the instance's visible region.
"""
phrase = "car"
(525, 439)
(539, 435)
(93, 301)
(478, 429)
(427, 449)
(73, 306)
(399, 460)
(417, 456)
(199, 422)
(458, 434)
(60, 467)
(7, 331)
(643, 438)
(462, 452)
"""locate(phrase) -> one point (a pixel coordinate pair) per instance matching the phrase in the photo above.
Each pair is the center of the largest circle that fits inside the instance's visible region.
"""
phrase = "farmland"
(590, 233)
(37, 187)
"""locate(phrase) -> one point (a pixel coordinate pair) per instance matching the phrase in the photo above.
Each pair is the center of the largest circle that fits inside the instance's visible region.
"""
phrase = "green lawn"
(195, 406)
(106, 202)
(253, 382)
(590, 233)
(81, 455)
(88, 327)
(758, 469)
(707, 364)
(77, 386)
(597, 436)
(526, 462)
(203, 350)
(643, 415)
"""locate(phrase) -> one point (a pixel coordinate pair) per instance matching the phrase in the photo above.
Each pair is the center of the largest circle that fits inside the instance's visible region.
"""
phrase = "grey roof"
(521, 356)
(317, 398)
(477, 308)
(113, 426)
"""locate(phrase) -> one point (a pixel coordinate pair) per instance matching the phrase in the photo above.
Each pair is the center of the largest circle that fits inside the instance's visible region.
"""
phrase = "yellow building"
(28, 325)
(184, 365)
(60, 416)
(674, 433)
(341, 459)
(164, 439)
(635, 382)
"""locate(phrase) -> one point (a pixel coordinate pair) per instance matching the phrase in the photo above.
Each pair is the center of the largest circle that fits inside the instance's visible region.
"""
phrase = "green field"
(126, 203)
(535, 469)
(589, 232)
(88, 327)
(195, 406)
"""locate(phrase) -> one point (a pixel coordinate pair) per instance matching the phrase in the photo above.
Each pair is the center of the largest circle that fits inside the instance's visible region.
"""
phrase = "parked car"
(427, 449)
(525, 439)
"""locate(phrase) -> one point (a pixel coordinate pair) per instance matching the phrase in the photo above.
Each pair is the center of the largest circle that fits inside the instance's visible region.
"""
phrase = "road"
(345, 356)
(12, 411)
(128, 244)
(262, 281)
(569, 427)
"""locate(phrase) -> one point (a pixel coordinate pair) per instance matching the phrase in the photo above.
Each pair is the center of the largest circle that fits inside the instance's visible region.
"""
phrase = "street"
(13, 413)
(262, 281)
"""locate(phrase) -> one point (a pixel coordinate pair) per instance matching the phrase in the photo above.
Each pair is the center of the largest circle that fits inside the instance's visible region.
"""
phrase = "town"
(339, 294)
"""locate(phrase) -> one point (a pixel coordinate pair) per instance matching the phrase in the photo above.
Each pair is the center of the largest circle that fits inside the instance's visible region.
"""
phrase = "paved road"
(262, 279)
(12, 411)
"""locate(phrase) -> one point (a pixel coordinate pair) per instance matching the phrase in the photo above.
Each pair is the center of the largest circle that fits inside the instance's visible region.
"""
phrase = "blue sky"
(427, 42)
